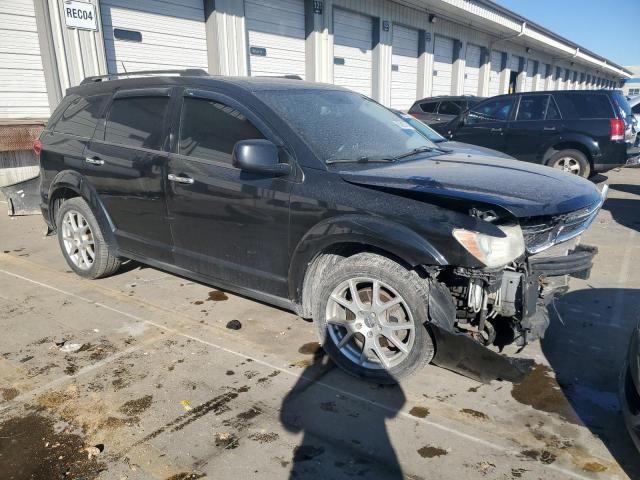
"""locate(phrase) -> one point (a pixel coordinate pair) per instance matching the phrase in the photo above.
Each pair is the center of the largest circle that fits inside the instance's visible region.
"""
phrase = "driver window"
(497, 110)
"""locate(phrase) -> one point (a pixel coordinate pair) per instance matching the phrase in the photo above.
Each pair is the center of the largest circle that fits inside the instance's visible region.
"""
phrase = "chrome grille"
(558, 229)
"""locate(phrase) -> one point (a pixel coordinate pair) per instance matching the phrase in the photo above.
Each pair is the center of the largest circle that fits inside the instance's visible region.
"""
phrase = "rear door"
(227, 224)
(535, 124)
(486, 123)
(126, 163)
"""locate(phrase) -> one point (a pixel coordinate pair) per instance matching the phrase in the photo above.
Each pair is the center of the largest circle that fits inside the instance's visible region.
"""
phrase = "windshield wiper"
(414, 152)
(361, 160)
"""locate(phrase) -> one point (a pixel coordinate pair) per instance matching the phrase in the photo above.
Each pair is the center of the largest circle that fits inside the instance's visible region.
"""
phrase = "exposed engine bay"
(510, 305)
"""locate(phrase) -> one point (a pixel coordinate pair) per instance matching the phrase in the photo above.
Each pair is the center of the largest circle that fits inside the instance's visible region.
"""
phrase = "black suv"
(316, 199)
(436, 111)
(578, 131)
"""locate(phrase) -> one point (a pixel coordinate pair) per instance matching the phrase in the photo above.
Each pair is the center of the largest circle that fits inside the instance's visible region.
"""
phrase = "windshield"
(423, 128)
(340, 125)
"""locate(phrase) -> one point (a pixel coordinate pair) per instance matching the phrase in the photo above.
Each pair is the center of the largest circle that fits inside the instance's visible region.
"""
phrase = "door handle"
(94, 160)
(180, 179)
(549, 129)
(496, 130)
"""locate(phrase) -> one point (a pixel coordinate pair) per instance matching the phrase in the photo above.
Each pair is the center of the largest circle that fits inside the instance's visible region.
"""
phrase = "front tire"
(571, 161)
(369, 317)
(81, 241)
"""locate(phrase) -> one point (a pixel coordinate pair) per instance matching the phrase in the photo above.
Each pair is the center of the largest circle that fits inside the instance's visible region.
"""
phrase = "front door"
(126, 163)
(486, 124)
(227, 224)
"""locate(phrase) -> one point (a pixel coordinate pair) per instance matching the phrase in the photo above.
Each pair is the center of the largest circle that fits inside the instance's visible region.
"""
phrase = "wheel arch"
(332, 240)
(70, 184)
(588, 146)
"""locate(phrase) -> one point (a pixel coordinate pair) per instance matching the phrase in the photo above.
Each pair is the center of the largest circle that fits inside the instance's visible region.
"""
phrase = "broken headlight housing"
(490, 250)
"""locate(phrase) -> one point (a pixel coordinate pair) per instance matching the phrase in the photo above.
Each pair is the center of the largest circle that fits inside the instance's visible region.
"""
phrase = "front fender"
(398, 240)
(74, 181)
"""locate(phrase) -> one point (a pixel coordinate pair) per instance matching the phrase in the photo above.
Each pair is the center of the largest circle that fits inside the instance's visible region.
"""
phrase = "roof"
(148, 81)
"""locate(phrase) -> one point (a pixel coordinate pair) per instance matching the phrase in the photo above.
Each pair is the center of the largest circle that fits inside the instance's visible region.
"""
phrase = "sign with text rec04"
(80, 15)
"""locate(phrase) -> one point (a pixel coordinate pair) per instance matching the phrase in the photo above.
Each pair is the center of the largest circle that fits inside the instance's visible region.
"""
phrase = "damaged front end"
(497, 306)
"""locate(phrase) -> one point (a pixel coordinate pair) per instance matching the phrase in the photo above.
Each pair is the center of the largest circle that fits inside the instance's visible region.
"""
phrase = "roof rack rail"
(189, 72)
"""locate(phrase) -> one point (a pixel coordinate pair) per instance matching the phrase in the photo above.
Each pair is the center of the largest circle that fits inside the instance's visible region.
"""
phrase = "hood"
(460, 147)
(523, 189)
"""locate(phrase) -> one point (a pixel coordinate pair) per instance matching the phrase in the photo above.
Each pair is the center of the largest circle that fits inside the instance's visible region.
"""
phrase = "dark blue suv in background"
(579, 131)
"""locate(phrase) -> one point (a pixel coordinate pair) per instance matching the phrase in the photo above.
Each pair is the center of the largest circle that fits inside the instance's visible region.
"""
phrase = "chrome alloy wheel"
(370, 323)
(567, 164)
(78, 240)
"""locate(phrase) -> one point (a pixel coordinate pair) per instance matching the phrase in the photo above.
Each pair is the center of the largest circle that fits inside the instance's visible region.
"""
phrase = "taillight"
(617, 129)
(37, 147)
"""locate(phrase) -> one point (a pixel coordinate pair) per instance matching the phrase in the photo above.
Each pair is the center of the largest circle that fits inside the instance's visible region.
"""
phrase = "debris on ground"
(94, 451)
(186, 404)
(234, 325)
(70, 347)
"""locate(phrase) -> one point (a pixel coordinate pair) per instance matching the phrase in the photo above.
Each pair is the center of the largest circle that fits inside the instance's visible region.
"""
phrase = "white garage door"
(442, 66)
(543, 76)
(276, 37)
(148, 35)
(23, 93)
(514, 64)
(352, 56)
(529, 82)
(472, 70)
(404, 67)
(494, 73)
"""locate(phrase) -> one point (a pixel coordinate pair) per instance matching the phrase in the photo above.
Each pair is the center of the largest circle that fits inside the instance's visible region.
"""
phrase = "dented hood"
(523, 189)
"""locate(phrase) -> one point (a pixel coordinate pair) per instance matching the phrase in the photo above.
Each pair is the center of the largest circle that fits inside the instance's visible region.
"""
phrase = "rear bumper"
(613, 155)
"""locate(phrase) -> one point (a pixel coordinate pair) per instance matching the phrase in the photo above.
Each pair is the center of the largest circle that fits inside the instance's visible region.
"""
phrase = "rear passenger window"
(81, 116)
(591, 105)
(429, 107)
(552, 110)
(449, 108)
(210, 129)
(532, 107)
(137, 122)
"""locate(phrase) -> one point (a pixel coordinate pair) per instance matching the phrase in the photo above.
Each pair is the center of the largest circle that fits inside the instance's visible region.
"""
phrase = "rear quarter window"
(81, 116)
(585, 106)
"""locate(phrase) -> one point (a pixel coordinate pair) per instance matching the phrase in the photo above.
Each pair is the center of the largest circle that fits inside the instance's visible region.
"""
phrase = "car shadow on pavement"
(340, 437)
(625, 210)
(586, 345)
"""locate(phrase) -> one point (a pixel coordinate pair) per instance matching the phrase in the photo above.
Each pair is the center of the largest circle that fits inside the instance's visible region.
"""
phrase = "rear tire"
(571, 161)
(380, 341)
(81, 241)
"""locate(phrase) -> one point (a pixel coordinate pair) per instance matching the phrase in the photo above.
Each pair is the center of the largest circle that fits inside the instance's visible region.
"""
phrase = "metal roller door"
(472, 69)
(494, 73)
(352, 54)
(543, 76)
(442, 66)
(404, 67)
(276, 36)
(529, 82)
(147, 34)
(514, 64)
(23, 92)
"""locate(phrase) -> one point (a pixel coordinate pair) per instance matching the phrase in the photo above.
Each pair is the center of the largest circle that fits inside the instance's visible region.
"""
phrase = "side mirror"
(259, 156)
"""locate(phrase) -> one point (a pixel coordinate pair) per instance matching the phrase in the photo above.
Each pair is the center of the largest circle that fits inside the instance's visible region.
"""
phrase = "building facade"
(631, 85)
(394, 51)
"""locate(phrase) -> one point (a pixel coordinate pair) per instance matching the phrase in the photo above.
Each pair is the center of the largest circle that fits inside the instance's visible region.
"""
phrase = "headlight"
(490, 250)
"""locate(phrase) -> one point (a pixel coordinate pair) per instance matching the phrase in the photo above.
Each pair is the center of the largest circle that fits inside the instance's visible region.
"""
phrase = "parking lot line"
(453, 431)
